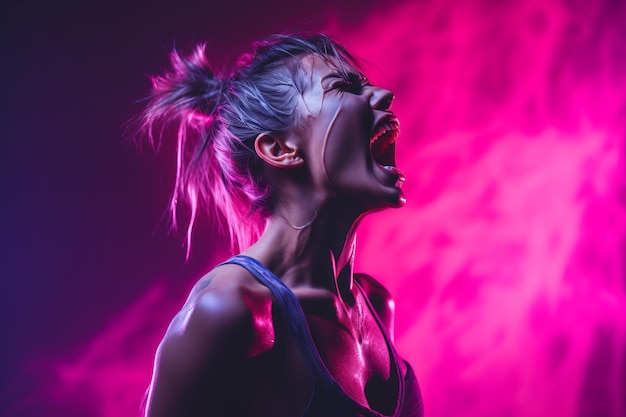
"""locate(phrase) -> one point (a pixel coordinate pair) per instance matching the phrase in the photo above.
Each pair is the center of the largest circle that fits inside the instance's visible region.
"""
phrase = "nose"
(381, 99)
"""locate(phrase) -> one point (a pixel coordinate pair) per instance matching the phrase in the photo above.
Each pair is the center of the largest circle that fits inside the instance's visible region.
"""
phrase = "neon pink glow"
(507, 262)
(109, 375)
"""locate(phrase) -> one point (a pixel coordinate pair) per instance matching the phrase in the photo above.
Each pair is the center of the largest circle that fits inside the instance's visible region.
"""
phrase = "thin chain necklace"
(304, 226)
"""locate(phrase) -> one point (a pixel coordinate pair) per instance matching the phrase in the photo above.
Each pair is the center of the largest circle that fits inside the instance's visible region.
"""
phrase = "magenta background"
(507, 263)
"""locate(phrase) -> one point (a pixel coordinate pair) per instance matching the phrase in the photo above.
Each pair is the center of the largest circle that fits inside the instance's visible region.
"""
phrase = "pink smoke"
(507, 262)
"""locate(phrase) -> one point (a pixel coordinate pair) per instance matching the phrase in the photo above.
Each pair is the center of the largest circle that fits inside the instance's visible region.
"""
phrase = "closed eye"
(350, 82)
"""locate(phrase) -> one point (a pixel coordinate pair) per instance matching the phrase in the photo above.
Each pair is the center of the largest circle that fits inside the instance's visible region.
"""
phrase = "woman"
(294, 141)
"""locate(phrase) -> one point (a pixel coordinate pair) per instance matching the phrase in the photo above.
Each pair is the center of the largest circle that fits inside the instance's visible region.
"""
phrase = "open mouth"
(383, 142)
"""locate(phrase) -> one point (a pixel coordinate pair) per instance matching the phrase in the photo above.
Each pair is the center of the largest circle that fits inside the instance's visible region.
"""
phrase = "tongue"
(394, 170)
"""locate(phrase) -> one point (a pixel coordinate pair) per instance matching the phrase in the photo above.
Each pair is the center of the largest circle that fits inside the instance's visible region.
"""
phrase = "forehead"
(313, 68)
(315, 64)
(311, 71)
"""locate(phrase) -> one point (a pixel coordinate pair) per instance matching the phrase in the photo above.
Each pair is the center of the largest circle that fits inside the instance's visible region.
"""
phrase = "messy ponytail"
(218, 116)
(189, 96)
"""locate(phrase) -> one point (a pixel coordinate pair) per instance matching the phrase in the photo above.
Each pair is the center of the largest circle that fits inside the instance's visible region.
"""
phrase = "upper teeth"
(391, 126)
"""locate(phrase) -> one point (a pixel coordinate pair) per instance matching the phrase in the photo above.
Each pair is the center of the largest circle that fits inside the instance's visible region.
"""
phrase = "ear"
(276, 151)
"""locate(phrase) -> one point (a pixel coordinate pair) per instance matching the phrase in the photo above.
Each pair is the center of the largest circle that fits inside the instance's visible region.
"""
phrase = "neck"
(310, 247)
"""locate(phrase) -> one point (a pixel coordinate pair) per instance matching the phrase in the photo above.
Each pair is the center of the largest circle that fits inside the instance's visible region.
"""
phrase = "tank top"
(328, 399)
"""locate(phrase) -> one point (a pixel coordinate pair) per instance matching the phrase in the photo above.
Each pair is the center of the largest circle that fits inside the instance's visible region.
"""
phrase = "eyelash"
(352, 83)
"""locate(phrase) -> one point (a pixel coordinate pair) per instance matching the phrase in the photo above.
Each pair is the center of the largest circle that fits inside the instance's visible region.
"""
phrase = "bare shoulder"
(210, 339)
(379, 297)
(223, 308)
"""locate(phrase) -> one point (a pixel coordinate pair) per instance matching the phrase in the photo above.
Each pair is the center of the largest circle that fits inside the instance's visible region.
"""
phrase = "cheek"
(345, 151)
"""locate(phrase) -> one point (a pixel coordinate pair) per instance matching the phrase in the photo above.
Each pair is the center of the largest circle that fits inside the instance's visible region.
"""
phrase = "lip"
(394, 170)
(393, 177)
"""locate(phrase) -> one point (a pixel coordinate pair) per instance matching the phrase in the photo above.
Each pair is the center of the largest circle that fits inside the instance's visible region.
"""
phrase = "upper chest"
(348, 337)
(350, 346)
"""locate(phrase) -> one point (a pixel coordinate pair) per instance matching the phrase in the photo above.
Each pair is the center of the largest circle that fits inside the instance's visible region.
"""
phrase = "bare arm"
(201, 356)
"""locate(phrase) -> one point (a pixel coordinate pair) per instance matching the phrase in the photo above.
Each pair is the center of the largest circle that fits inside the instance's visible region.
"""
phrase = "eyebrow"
(360, 76)
(332, 75)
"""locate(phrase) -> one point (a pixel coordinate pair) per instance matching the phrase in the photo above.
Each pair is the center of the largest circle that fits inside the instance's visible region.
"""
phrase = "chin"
(394, 196)
(389, 202)
(398, 202)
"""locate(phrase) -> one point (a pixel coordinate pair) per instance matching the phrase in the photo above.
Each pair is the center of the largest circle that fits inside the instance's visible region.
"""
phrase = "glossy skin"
(340, 124)
(227, 352)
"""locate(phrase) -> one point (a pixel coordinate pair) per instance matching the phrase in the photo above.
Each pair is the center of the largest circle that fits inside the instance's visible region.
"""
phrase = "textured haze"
(508, 260)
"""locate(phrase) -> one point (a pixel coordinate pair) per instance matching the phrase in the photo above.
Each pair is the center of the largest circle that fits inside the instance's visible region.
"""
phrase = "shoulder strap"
(413, 405)
(289, 307)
